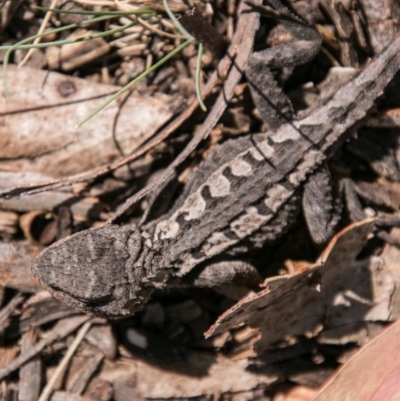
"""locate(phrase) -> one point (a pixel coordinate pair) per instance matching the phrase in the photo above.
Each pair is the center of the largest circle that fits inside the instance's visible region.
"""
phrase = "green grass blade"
(21, 44)
(139, 11)
(178, 25)
(198, 77)
(137, 79)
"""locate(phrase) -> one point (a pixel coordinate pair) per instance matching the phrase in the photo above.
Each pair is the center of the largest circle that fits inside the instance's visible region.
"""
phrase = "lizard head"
(94, 271)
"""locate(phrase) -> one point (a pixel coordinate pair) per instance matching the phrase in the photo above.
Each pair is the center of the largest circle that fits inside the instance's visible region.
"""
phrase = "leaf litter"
(283, 341)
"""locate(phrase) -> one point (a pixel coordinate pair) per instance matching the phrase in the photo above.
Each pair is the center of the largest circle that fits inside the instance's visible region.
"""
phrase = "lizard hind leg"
(321, 209)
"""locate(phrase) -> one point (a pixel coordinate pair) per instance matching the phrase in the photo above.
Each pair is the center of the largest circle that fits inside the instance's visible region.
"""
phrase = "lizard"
(245, 185)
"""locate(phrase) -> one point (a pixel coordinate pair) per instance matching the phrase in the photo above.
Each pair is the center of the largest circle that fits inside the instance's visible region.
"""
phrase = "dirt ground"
(317, 306)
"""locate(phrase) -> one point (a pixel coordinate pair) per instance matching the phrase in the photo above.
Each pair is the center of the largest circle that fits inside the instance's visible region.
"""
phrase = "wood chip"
(30, 374)
(15, 266)
(9, 309)
(382, 22)
(82, 376)
(75, 55)
(102, 337)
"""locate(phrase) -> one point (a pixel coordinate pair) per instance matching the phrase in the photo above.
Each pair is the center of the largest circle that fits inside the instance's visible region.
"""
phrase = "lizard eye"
(90, 270)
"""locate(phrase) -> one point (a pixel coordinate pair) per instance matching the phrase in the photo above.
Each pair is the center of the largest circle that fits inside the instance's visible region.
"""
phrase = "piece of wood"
(80, 206)
(30, 374)
(15, 266)
(60, 330)
(382, 22)
(55, 146)
(82, 376)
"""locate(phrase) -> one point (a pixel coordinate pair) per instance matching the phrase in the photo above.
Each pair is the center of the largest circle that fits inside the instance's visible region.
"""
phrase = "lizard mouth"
(106, 306)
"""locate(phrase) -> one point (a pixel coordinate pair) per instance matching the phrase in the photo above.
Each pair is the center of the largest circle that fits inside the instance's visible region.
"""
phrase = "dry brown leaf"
(198, 374)
(336, 291)
(37, 130)
(372, 374)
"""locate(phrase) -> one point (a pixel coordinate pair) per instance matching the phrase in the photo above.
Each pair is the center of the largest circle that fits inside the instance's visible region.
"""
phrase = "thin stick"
(137, 79)
(95, 3)
(41, 30)
(150, 27)
(198, 77)
(9, 308)
(60, 330)
(64, 362)
(157, 31)
(179, 26)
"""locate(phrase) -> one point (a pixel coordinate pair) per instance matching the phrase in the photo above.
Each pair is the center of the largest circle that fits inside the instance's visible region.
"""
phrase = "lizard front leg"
(320, 210)
(232, 278)
(321, 207)
(298, 43)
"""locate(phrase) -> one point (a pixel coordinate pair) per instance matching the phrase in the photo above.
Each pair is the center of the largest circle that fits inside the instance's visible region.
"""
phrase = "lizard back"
(244, 184)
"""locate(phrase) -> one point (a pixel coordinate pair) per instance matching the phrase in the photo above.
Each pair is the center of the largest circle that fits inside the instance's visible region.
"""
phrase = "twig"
(60, 330)
(145, 24)
(41, 30)
(7, 310)
(157, 31)
(64, 362)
